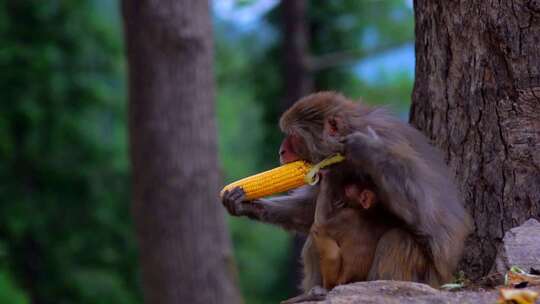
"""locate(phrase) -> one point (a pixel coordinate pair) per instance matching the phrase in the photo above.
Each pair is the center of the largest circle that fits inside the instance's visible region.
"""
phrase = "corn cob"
(280, 179)
(283, 178)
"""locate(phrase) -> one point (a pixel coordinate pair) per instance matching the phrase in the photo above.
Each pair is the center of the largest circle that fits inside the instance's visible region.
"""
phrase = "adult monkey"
(424, 236)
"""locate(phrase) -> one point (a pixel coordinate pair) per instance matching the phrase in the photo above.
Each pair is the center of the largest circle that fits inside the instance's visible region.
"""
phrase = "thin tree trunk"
(298, 81)
(185, 250)
(477, 96)
(296, 74)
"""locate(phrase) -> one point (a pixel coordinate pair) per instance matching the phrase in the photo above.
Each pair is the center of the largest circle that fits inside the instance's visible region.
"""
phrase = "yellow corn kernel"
(277, 180)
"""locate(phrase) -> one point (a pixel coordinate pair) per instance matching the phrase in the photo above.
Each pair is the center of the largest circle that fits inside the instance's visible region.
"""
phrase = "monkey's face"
(292, 148)
(314, 126)
(311, 141)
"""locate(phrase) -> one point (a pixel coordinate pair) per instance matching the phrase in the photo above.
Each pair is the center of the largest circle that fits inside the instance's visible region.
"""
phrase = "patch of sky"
(409, 3)
(246, 16)
(109, 11)
(399, 60)
(398, 15)
(237, 20)
(370, 38)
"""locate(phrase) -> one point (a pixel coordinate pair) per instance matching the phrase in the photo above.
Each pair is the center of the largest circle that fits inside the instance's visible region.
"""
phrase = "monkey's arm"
(324, 203)
(416, 187)
(292, 212)
(393, 166)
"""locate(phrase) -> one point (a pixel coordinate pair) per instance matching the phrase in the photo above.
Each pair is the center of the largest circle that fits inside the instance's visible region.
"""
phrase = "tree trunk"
(298, 82)
(477, 96)
(185, 250)
(297, 77)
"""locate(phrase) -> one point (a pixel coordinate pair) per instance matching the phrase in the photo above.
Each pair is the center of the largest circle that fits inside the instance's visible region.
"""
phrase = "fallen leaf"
(516, 278)
(516, 269)
(519, 296)
(452, 286)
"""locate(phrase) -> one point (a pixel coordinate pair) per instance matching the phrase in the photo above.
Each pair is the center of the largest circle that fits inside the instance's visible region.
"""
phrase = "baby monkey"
(345, 255)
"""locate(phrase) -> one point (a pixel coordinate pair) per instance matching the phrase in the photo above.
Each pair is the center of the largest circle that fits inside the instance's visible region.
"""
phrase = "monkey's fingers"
(372, 133)
(232, 200)
(368, 135)
(339, 204)
(226, 201)
(237, 194)
(365, 137)
(225, 193)
(359, 146)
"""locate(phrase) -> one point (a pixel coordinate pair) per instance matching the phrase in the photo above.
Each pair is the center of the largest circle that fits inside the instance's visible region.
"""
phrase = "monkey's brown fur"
(424, 240)
(345, 255)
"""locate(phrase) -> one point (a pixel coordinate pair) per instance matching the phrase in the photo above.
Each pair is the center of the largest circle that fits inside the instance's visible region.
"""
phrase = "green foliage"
(239, 126)
(262, 259)
(64, 218)
(9, 293)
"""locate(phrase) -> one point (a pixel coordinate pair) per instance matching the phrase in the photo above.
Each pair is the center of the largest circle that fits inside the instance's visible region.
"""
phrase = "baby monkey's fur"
(344, 254)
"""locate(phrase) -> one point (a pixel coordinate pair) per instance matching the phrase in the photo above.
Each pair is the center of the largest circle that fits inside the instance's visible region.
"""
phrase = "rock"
(521, 247)
(396, 292)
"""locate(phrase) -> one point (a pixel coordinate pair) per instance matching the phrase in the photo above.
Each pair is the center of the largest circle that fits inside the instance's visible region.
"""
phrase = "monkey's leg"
(317, 293)
(321, 254)
(312, 275)
(311, 265)
(329, 256)
(399, 257)
(324, 201)
(292, 212)
(327, 247)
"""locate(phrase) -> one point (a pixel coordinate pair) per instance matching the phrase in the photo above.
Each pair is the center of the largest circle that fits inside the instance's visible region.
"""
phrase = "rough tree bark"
(477, 96)
(185, 250)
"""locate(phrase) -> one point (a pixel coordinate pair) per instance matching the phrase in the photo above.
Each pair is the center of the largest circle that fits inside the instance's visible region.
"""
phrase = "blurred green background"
(65, 229)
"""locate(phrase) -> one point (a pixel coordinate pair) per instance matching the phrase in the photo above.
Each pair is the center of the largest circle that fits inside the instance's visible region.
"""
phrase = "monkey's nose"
(281, 152)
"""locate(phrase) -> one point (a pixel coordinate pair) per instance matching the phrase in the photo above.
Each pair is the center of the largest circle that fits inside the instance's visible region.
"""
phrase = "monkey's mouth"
(288, 158)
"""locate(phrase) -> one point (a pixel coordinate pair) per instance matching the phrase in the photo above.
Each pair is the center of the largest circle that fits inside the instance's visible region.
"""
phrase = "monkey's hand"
(293, 211)
(236, 204)
(362, 146)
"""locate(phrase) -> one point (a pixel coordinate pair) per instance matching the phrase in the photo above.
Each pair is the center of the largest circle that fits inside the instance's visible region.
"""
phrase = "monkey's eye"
(333, 123)
(298, 145)
(331, 126)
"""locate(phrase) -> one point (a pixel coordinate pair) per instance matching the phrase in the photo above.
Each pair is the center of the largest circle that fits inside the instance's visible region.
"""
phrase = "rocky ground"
(394, 292)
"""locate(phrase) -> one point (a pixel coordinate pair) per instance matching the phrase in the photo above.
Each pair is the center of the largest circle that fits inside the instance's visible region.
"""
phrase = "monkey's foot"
(316, 293)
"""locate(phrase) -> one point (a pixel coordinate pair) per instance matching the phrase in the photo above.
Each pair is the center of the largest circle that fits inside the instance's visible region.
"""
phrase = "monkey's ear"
(333, 125)
(367, 199)
(361, 196)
